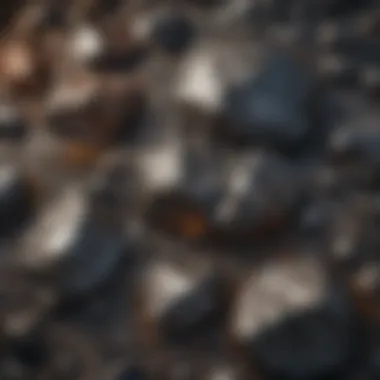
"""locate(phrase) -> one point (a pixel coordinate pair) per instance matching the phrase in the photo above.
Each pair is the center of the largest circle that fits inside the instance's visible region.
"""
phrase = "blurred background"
(189, 189)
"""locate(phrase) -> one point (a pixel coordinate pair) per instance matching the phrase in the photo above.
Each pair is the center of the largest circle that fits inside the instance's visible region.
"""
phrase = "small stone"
(178, 215)
(277, 289)
(360, 141)
(16, 201)
(66, 110)
(197, 313)
(67, 236)
(30, 352)
(161, 166)
(173, 33)
(165, 284)
(272, 108)
(86, 44)
(12, 126)
(200, 83)
(94, 113)
(50, 237)
(92, 258)
(310, 344)
(132, 372)
(17, 62)
(252, 203)
(336, 70)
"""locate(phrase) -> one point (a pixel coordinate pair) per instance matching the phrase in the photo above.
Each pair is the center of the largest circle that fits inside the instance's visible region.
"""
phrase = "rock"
(132, 372)
(93, 257)
(358, 141)
(12, 126)
(16, 200)
(251, 203)
(86, 45)
(338, 71)
(178, 215)
(308, 345)
(69, 237)
(272, 108)
(30, 352)
(184, 304)
(200, 83)
(279, 288)
(196, 314)
(96, 114)
(173, 33)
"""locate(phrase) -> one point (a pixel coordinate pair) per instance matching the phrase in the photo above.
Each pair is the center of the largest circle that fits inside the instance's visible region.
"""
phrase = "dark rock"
(12, 126)
(91, 259)
(272, 108)
(339, 8)
(173, 33)
(206, 3)
(16, 201)
(310, 345)
(196, 314)
(252, 205)
(178, 215)
(31, 352)
(54, 17)
(315, 216)
(132, 372)
(359, 51)
(358, 143)
(119, 62)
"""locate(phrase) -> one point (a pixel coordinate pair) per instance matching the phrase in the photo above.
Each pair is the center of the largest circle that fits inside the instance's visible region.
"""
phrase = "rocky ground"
(190, 189)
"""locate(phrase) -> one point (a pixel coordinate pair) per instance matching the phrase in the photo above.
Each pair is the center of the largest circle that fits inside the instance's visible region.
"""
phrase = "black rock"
(311, 345)
(196, 314)
(357, 143)
(121, 62)
(282, 10)
(272, 108)
(359, 51)
(53, 17)
(315, 216)
(253, 204)
(12, 126)
(16, 201)
(132, 372)
(339, 8)
(373, 362)
(206, 3)
(31, 352)
(91, 258)
(173, 33)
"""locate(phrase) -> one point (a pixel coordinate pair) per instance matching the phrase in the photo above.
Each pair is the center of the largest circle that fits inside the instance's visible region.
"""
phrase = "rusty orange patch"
(193, 225)
(80, 155)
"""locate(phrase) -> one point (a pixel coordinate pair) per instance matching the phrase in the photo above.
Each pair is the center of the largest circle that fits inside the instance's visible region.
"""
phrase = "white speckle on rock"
(199, 83)
(277, 289)
(164, 285)
(161, 166)
(52, 235)
(71, 95)
(86, 44)
(141, 26)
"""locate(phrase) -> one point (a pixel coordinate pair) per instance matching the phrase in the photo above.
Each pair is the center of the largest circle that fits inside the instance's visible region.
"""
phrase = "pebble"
(272, 107)
(16, 200)
(275, 291)
(12, 126)
(173, 33)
